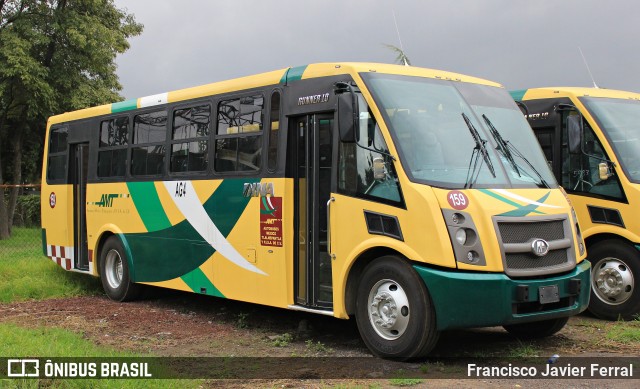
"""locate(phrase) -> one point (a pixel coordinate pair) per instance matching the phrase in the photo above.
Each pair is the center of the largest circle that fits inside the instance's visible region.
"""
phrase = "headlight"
(461, 236)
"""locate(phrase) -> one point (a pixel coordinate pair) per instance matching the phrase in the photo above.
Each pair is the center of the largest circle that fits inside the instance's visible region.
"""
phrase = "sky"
(518, 43)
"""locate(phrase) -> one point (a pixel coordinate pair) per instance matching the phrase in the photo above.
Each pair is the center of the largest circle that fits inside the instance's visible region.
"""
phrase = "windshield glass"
(436, 145)
(522, 156)
(620, 121)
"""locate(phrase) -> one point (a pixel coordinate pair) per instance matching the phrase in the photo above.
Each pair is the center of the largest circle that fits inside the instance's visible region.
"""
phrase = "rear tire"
(537, 329)
(114, 272)
(394, 312)
(615, 266)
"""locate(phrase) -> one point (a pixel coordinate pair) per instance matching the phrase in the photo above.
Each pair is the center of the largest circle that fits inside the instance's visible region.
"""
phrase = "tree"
(55, 56)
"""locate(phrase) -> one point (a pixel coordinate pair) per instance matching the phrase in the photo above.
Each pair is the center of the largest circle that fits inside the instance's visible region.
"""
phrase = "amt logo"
(106, 201)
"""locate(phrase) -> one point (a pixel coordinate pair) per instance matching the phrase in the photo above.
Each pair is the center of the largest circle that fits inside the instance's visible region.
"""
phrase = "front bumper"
(466, 300)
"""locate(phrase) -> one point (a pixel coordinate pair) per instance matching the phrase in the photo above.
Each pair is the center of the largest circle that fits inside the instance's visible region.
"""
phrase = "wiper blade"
(511, 148)
(478, 150)
(503, 146)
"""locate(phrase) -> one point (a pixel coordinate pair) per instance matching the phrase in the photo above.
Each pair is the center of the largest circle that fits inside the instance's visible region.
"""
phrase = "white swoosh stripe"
(523, 199)
(197, 216)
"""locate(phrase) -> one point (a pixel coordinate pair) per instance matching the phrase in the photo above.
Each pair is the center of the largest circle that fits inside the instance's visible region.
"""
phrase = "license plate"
(549, 294)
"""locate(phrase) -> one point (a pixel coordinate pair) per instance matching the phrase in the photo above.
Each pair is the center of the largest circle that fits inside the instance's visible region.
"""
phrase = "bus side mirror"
(379, 169)
(348, 113)
(574, 134)
(603, 171)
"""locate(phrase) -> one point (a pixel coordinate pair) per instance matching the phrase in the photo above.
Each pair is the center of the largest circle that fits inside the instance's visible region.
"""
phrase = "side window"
(112, 154)
(355, 163)
(580, 172)
(147, 153)
(239, 135)
(57, 159)
(274, 130)
(190, 139)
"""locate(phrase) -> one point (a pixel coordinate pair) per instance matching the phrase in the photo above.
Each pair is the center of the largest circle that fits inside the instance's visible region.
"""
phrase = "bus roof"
(281, 76)
(541, 93)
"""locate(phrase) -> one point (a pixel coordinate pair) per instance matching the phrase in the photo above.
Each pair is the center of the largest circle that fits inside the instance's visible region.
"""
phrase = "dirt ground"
(185, 325)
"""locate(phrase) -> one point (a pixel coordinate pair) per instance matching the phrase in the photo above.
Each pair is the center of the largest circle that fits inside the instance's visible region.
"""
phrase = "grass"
(27, 274)
(56, 342)
(625, 332)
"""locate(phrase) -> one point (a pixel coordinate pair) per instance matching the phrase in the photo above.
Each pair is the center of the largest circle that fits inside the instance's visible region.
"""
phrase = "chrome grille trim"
(515, 235)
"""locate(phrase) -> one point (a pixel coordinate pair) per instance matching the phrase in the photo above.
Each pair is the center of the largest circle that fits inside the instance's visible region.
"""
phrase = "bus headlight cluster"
(464, 237)
(461, 236)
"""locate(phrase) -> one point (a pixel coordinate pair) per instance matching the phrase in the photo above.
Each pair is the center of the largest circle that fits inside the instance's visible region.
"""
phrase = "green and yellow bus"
(410, 199)
(591, 138)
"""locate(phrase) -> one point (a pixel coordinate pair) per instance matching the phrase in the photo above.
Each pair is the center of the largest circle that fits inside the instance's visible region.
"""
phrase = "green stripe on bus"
(527, 209)
(147, 202)
(517, 95)
(198, 281)
(507, 201)
(124, 106)
(293, 74)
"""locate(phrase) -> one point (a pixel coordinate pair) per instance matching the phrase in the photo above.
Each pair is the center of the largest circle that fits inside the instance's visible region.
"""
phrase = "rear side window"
(57, 159)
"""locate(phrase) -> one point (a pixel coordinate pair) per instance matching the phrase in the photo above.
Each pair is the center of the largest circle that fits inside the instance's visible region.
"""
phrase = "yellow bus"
(591, 138)
(410, 199)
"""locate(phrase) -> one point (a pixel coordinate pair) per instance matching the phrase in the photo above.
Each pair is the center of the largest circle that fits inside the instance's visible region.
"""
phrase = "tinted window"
(191, 124)
(114, 132)
(150, 127)
(239, 140)
(57, 160)
(112, 157)
(274, 131)
(147, 160)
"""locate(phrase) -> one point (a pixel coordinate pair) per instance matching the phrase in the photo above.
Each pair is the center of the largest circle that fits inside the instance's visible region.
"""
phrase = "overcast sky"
(519, 43)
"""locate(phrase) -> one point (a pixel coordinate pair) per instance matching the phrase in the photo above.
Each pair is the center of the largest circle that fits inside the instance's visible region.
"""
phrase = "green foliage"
(282, 340)
(55, 56)
(26, 274)
(28, 211)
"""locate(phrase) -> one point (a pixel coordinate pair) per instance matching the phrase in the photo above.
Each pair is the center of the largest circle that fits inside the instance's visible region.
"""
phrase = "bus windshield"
(620, 121)
(432, 122)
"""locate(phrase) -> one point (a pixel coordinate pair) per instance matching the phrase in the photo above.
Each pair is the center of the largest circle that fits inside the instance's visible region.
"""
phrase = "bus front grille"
(516, 235)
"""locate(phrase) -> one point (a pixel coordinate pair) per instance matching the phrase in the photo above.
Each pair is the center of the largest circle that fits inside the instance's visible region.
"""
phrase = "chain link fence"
(26, 235)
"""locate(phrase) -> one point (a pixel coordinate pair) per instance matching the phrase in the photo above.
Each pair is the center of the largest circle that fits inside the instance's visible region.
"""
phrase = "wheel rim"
(113, 269)
(612, 281)
(389, 311)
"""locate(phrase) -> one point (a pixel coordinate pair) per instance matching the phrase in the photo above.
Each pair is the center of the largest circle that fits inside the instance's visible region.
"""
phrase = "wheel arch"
(356, 270)
(601, 237)
(104, 234)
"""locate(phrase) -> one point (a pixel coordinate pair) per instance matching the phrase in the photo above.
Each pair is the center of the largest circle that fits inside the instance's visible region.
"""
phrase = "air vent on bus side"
(605, 216)
(380, 224)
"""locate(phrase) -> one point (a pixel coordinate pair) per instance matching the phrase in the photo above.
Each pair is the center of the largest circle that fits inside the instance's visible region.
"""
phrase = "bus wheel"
(614, 268)
(114, 272)
(394, 312)
(537, 329)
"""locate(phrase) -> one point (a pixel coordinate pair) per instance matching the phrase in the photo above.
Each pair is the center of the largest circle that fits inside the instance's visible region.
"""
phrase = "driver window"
(580, 172)
(355, 164)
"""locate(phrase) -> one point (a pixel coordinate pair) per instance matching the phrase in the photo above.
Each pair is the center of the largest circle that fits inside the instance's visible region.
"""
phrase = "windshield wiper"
(503, 146)
(507, 148)
(478, 150)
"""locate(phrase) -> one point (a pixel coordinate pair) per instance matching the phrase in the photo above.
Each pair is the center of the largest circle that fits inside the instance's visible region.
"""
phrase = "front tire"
(394, 312)
(114, 272)
(537, 329)
(615, 266)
